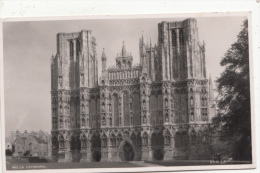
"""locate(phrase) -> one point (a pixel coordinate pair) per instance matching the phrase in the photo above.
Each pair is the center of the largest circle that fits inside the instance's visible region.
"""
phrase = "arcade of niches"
(159, 109)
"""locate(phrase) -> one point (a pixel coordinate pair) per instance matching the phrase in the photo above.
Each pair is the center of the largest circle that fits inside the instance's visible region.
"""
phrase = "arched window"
(77, 48)
(71, 49)
(174, 39)
(126, 110)
(181, 37)
(115, 110)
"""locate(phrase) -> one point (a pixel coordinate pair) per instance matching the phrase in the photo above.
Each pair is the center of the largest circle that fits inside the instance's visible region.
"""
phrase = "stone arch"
(96, 147)
(126, 150)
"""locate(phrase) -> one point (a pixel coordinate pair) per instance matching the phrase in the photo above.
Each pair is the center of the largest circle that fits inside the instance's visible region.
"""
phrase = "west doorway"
(128, 152)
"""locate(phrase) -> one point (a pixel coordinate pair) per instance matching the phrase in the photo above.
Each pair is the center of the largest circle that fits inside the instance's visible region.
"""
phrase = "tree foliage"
(234, 116)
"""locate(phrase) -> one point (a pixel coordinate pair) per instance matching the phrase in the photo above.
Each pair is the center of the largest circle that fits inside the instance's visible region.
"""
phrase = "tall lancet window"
(181, 37)
(174, 39)
(71, 49)
(77, 48)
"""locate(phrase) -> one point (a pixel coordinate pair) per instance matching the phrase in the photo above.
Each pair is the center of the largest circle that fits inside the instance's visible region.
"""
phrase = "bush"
(8, 152)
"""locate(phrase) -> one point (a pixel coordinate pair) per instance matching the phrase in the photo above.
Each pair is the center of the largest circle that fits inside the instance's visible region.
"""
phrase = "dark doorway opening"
(96, 156)
(128, 152)
(158, 154)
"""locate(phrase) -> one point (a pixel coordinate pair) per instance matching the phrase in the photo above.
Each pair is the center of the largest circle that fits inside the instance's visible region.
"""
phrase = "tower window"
(71, 49)
(77, 48)
(174, 40)
(181, 37)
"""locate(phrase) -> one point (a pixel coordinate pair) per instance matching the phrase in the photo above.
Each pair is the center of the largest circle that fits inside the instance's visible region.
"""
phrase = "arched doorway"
(96, 156)
(96, 147)
(128, 152)
(158, 154)
(157, 146)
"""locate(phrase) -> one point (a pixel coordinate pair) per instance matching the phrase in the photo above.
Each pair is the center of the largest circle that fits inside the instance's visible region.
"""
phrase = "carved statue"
(144, 119)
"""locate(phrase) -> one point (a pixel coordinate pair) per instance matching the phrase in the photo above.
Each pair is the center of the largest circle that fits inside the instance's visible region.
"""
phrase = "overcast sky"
(28, 47)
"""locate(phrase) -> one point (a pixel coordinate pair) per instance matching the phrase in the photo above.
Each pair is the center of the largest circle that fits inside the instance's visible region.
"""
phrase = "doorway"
(128, 152)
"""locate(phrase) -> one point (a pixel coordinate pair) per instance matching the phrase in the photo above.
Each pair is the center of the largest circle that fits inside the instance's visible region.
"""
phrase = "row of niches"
(124, 74)
(135, 120)
(169, 103)
(178, 140)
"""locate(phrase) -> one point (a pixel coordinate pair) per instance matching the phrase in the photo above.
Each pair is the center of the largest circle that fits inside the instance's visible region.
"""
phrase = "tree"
(234, 116)
(8, 152)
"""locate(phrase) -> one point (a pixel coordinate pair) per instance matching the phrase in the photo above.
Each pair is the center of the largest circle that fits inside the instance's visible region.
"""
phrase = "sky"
(28, 47)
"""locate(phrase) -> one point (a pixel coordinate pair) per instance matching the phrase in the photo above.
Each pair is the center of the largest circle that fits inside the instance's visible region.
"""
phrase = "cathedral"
(160, 109)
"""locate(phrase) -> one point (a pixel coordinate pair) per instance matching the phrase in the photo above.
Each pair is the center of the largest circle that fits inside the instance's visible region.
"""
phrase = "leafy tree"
(234, 116)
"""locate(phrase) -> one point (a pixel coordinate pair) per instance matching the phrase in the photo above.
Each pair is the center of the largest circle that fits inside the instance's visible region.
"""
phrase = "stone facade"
(157, 110)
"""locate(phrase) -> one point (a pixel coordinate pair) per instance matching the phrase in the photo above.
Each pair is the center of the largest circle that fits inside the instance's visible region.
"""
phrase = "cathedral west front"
(160, 109)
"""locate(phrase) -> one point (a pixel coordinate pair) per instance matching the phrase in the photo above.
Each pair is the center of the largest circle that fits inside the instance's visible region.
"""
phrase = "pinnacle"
(103, 54)
(123, 49)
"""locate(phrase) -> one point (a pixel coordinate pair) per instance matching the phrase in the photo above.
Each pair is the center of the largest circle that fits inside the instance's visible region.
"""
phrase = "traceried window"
(77, 48)
(71, 49)
(181, 37)
(115, 110)
(126, 108)
(174, 39)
